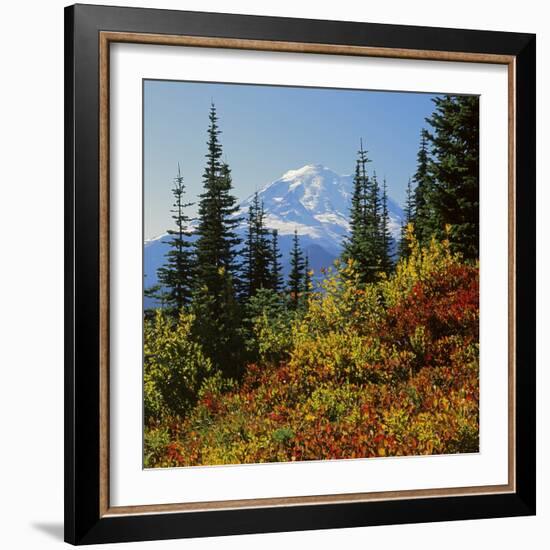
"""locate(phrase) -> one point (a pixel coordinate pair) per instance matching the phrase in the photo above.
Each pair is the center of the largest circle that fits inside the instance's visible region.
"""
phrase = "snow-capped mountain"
(314, 200)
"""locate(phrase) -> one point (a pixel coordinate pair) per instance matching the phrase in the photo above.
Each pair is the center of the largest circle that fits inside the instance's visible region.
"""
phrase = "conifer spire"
(296, 276)
(276, 269)
(409, 217)
(214, 301)
(176, 276)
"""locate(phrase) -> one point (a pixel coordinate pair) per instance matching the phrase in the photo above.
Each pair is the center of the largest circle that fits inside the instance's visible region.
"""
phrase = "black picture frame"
(84, 523)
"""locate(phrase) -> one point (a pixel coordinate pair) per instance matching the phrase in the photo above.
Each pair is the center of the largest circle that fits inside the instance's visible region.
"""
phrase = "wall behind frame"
(31, 240)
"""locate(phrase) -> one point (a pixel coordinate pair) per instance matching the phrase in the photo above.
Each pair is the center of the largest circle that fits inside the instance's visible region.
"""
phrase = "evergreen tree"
(358, 246)
(385, 235)
(214, 302)
(421, 178)
(296, 276)
(217, 327)
(368, 244)
(176, 276)
(374, 226)
(248, 253)
(454, 170)
(228, 207)
(276, 269)
(217, 241)
(257, 252)
(409, 215)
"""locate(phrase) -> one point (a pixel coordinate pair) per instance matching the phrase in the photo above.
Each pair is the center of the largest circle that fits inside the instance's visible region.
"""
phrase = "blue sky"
(268, 130)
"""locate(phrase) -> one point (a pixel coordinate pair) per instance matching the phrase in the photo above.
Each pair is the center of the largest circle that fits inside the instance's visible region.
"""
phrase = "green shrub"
(383, 369)
(174, 366)
(269, 337)
(283, 435)
(155, 443)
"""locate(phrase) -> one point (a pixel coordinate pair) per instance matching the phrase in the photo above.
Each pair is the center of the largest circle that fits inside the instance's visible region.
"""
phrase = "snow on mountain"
(314, 200)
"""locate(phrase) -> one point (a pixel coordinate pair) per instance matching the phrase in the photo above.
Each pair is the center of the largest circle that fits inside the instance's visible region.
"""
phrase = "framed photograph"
(300, 274)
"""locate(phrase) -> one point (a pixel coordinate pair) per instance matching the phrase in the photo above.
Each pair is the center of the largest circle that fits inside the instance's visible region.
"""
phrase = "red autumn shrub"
(385, 370)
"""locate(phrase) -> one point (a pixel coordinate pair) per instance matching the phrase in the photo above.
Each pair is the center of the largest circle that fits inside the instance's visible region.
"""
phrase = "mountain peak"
(308, 169)
(315, 201)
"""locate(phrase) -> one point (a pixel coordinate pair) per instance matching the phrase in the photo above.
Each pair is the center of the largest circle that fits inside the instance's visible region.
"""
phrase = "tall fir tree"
(176, 275)
(385, 234)
(404, 249)
(214, 301)
(248, 253)
(423, 184)
(374, 226)
(228, 208)
(257, 268)
(454, 170)
(354, 244)
(275, 262)
(296, 275)
(359, 246)
(217, 242)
